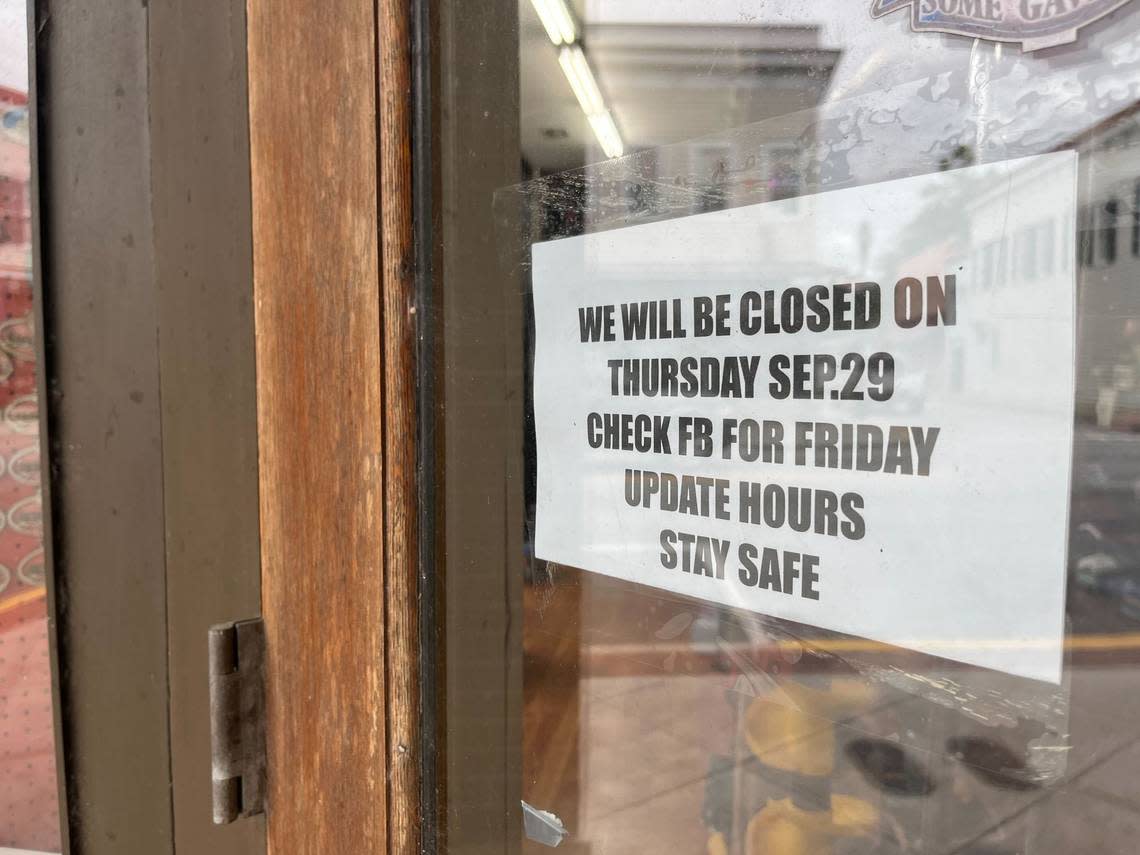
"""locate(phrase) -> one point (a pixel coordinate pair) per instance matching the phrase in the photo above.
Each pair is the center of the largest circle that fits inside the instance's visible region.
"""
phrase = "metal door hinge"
(237, 719)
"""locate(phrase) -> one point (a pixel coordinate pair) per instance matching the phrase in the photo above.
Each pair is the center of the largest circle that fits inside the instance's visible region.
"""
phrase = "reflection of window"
(712, 165)
(13, 211)
(1047, 249)
(1067, 259)
(1085, 235)
(1029, 253)
(1136, 219)
(1108, 230)
(14, 214)
(784, 173)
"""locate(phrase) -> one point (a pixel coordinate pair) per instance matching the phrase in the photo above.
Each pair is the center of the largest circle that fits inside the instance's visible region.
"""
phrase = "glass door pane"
(788, 365)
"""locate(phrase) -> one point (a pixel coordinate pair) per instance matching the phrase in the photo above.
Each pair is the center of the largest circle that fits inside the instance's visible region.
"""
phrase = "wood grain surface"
(399, 326)
(313, 153)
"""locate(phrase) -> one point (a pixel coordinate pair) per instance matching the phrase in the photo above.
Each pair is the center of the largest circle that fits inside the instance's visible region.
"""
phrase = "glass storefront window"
(640, 152)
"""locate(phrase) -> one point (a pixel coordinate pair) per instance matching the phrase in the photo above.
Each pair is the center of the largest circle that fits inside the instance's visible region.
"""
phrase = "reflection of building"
(1017, 262)
(1108, 253)
(1104, 555)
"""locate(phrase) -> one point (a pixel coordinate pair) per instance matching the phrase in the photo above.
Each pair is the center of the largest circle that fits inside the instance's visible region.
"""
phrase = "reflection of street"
(1104, 549)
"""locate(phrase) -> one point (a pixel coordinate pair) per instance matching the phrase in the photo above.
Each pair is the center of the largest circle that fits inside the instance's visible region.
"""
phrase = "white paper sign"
(853, 410)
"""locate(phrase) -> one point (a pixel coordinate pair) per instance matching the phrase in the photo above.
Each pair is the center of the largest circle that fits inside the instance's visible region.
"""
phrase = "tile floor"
(646, 745)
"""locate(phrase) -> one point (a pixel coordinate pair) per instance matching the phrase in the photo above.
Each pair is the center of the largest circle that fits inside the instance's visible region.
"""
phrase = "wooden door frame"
(401, 118)
(330, 121)
(202, 473)
(265, 401)
(263, 406)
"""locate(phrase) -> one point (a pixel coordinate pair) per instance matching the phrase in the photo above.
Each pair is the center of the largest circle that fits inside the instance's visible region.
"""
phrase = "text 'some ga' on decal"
(853, 410)
(1035, 24)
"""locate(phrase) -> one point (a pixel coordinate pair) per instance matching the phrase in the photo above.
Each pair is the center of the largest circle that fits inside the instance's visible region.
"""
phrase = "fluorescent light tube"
(566, 22)
(589, 85)
(556, 20)
(577, 71)
(581, 78)
(607, 133)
